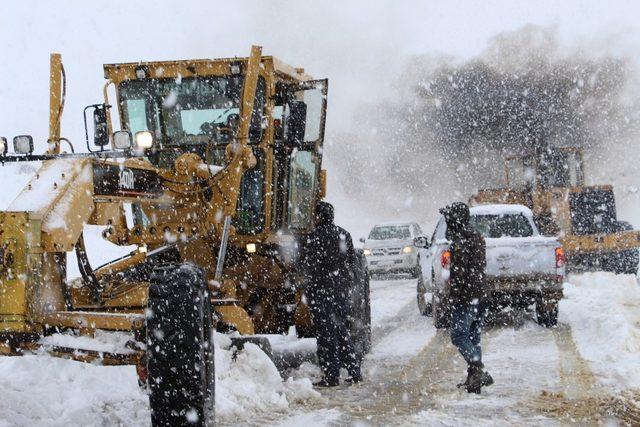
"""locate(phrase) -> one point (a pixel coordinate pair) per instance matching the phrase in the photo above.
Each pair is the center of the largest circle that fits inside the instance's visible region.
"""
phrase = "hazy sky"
(359, 45)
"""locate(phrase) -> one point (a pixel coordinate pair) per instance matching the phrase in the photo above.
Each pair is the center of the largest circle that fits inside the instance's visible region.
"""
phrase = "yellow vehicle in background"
(213, 178)
(550, 181)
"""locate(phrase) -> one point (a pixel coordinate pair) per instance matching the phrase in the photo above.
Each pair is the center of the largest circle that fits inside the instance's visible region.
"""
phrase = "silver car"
(390, 250)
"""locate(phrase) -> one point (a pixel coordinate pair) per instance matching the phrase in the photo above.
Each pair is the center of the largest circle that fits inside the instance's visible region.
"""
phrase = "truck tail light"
(143, 374)
(560, 258)
(445, 259)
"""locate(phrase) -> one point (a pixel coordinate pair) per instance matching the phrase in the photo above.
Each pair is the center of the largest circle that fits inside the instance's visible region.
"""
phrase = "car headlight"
(367, 252)
(407, 249)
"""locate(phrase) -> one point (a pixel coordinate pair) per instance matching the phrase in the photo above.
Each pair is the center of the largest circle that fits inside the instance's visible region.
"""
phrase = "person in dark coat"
(467, 281)
(328, 258)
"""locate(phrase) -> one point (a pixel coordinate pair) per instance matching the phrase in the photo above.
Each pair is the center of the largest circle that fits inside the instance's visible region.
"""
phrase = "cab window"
(302, 189)
(249, 217)
(189, 114)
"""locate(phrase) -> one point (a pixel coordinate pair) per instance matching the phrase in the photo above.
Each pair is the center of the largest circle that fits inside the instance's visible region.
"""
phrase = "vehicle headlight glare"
(407, 249)
(367, 252)
(144, 139)
(251, 248)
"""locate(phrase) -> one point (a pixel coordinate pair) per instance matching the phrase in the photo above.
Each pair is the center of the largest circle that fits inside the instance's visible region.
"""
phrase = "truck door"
(304, 123)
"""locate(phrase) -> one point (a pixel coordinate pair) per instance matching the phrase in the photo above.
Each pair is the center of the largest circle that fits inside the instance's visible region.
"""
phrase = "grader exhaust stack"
(57, 89)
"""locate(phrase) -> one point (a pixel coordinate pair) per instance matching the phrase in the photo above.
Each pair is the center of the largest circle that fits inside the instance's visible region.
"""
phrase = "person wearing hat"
(328, 258)
(466, 293)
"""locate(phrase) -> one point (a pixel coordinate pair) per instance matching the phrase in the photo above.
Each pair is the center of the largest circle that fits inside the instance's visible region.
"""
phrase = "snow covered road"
(541, 376)
(582, 372)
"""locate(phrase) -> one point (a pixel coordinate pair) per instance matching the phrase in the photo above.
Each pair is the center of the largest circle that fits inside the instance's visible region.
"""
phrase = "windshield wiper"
(222, 114)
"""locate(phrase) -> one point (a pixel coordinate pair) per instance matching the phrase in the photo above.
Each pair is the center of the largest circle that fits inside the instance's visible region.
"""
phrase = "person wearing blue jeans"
(466, 292)
(466, 331)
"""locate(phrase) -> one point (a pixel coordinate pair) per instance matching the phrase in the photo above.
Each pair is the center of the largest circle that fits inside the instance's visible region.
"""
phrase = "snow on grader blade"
(213, 178)
(550, 181)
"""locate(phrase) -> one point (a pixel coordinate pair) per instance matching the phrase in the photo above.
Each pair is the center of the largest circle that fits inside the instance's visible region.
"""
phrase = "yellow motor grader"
(213, 179)
(550, 181)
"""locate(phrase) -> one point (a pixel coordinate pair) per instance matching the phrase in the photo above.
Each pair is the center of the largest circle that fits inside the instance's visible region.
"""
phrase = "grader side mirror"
(100, 131)
(100, 126)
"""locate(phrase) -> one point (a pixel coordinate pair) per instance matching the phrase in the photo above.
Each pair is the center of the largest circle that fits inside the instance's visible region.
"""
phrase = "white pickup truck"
(523, 267)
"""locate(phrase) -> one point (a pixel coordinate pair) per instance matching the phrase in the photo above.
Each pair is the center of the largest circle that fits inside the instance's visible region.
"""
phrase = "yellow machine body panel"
(172, 198)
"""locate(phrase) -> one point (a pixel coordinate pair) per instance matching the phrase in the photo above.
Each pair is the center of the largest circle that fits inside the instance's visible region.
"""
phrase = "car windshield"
(390, 232)
(496, 226)
(187, 111)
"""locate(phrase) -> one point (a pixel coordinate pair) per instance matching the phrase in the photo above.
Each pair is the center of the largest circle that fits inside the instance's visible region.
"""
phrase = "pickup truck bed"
(518, 268)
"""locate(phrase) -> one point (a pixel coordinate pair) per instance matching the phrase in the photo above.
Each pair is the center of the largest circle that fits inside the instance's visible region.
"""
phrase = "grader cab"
(213, 179)
(551, 182)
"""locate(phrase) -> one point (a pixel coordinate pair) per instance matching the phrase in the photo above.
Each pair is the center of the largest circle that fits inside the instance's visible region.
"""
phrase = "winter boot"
(478, 378)
(466, 381)
(354, 378)
(324, 383)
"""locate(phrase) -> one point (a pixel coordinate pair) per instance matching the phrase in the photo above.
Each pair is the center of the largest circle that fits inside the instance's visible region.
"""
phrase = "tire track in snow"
(378, 333)
(432, 397)
(582, 399)
(356, 402)
(393, 392)
(389, 386)
(540, 379)
(577, 379)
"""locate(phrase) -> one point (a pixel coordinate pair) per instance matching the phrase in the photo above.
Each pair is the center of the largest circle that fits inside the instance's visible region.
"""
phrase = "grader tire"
(547, 314)
(180, 350)
(626, 262)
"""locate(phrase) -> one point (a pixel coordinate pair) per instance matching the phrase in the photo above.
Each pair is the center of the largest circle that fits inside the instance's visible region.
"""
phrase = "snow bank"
(252, 382)
(45, 391)
(39, 390)
(321, 417)
(603, 310)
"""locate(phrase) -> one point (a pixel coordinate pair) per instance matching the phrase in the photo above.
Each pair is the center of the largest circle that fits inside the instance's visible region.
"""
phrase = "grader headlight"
(144, 140)
(23, 144)
(122, 140)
